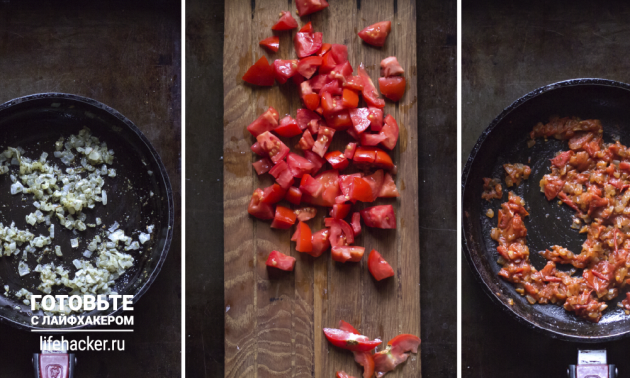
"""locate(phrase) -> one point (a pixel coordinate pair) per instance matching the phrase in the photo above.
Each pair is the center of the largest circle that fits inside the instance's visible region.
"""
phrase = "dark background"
(126, 55)
(508, 50)
(437, 150)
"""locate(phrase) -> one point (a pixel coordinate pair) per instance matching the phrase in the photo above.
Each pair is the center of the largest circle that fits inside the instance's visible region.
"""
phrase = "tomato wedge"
(337, 160)
(348, 152)
(306, 142)
(262, 166)
(303, 238)
(261, 73)
(372, 156)
(306, 7)
(282, 174)
(360, 119)
(307, 66)
(307, 43)
(392, 87)
(284, 218)
(341, 234)
(259, 209)
(324, 137)
(388, 190)
(391, 67)
(273, 146)
(293, 195)
(350, 99)
(288, 127)
(379, 216)
(286, 22)
(308, 28)
(376, 119)
(280, 261)
(265, 122)
(284, 69)
(390, 131)
(340, 210)
(305, 213)
(356, 223)
(397, 352)
(271, 43)
(379, 268)
(376, 34)
(350, 341)
(273, 194)
(370, 95)
(320, 241)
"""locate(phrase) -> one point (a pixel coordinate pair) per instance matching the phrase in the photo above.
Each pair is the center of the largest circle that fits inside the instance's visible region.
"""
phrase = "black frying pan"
(548, 224)
(35, 122)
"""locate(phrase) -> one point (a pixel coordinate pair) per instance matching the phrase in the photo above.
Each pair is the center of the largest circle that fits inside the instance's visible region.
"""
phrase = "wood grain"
(273, 326)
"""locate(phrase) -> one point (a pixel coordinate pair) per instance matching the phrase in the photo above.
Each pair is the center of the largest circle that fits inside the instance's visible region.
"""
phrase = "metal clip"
(592, 364)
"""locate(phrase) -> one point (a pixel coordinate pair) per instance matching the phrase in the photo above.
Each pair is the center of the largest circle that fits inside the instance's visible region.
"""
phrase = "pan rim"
(554, 333)
(163, 174)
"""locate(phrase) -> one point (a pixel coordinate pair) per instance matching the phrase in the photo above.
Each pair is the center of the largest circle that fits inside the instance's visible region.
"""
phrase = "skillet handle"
(54, 365)
(592, 371)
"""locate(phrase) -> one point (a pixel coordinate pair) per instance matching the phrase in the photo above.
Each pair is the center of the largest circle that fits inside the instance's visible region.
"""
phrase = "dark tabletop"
(437, 144)
(508, 50)
(126, 55)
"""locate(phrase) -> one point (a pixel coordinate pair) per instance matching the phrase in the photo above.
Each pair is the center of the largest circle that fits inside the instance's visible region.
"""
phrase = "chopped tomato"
(307, 43)
(261, 73)
(379, 216)
(345, 326)
(339, 53)
(372, 156)
(316, 160)
(370, 95)
(391, 67)
(293, 195)
(288, 127)
(390, 131)
(273, 146)
(376, 119)
(323, 140)
(392, 87)
(348, 152)
(297, 78)
(388, 190)
(306, 7)
(376, 34)
(376, 183)
(368, 139)
(262, 166)
(303, 238)
(397, 352)
(361, 190)
(328, 63)
(350, 99)
(346, 253)
(284, 69)
(360, 119)
(265, 122)
(379, 268)
(342, 71)
(310, 186)
(340, 120)
(282, 174)
(273, 194)
(304, 116)
(320, 241)
(306, 142)
(307, 28)
(345, 185)
(284, 218)
(331, 104)
(311, 101)
(562, 158)
(257, 149)
(286, 22)
(271, 43)
(340, 210)
(330, 183)
(280, 261)
(307, 66)
(305, 213)
(259, 209)
(356, 223)
(341, 233)
(337, 160)
(299, 165)
(324, 49)
(354, 82)
(343, 374)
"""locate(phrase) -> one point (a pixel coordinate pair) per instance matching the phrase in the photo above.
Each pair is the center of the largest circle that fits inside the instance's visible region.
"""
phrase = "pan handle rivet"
(568, 373)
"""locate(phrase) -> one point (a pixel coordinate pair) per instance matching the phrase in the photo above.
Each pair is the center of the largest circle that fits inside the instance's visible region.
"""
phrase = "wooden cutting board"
(273, 322)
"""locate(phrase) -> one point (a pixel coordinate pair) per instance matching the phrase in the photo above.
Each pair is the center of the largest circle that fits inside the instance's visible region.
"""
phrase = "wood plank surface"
(273, 323)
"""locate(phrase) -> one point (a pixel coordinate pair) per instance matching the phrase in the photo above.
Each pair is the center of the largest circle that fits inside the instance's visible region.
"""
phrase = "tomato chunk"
(392, 87)
(293, 195)
(343, 374)
(284, 69)
(328, 63)
(379, 216)
(271, 43)
(273, 146)
(273, 194)
(307, 43)
(391, 67)
(350, 253)
(304, 116)
(341, 234)
(306, 7)
(305, 213)
(299, 165)
(339, 53)
(376, 119)
(340, 120)
(259, 209)
(261, 73)
(372, 156)
(376, 34)
(340, 210)
(311, 101)
(360, 119)
(288, 127)
(356, 223)
(368, 139)
(325, 48)
(316, 160)
(388, 189)
(282, 174)
(350, 98)
(370, 95)
(337, 160)
(283, 218)
(310, 186)
(308, 28)
(348, 152)
(265, 122)
(320, 242)
(397, 352)
(390, 131)
(306, 142)
(280, 261)
(379, 268)
(307, 66)
(262, 166)
(323, 140)
(303, 239)
(329, 180)
(286, 22)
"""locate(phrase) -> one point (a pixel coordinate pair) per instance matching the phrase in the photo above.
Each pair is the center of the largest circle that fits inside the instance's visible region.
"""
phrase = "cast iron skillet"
(548, 224)
(139, 195)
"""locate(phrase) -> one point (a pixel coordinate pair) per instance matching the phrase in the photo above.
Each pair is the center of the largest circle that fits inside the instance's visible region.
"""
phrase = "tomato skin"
(340, 210)
(377, 33)
(310, 186)
(368, 139)
(293, 195)
(261, 73)
(348, 152)
(388, 190)
(280, 261)
(323, 140)
(286, 22)
(356, 223)
(392, 87)
(311, 101)
(259, 209)
(307, 43)
(274, 147)
(265, 122)
(304, 242)
(379, 217)
(341, 234)
(361, 190)
(282, 174)
(273, 194)
(379, 268)
(316, 160)
(284, 218)
(325, 48)
(372, 156)
(262, 166)
(271, 43)
(342, 71)
(397, 352)
(343, 374)
(299, 165)
(306, 7)
(370, 95)
(390, 130)
(346, 253)
(321, 242)
(307, 66)
(350, 99)
(306, 142)
(391, 67)
(284, 69)
(307, 28)
(288, 127)
(337, 160)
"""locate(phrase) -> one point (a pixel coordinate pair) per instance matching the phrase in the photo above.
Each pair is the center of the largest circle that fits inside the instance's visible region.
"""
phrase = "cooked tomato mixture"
(491, 189)
(592, 177)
